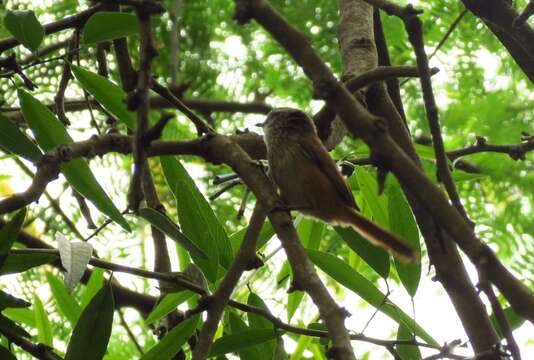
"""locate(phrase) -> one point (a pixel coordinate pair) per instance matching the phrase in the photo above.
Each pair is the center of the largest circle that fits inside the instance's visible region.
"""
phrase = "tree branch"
(515, 151)
(216, 303)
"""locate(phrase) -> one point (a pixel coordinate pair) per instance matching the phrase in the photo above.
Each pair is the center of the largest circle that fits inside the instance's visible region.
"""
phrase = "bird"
(310, 182)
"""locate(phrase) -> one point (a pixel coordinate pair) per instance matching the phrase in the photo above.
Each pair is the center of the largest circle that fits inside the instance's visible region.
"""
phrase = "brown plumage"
(309, 180)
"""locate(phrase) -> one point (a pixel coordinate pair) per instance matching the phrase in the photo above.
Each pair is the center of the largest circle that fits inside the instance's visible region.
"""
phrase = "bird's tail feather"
(379, 236)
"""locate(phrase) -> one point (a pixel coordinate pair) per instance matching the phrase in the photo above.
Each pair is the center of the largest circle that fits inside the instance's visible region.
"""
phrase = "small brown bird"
(310, 182)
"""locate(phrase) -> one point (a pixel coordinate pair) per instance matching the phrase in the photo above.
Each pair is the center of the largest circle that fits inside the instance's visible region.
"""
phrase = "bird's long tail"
(378, 236)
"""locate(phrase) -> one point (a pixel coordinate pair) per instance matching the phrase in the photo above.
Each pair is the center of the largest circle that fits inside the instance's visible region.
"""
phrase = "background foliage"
(480, 91)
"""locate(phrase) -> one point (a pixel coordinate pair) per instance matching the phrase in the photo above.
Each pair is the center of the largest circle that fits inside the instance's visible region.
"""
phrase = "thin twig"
(201, 126)
(129, 332)
(515, 151)
(498, 311)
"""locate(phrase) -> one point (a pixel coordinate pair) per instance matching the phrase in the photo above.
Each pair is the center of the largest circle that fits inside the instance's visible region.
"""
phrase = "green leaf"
(197, 219)
(310, 232)
(241, 340)
(293, 301)
(10, 326)
(9, 301)
(49, 133)
(173, 341)
(169, 228)
(402, 223)
(9, 233)
(514, 320)
(425, 151)
(25, 27)
(237, 325)
(66, 303)
(93, 286)
(104, 26)
(376, 257)
(25, 316)
(110, 95)
(267, 349)
(90, 337)
(168, 304)
(16, 263)
(16, 141)
(459, 176)
(407, 352)
(6, 354)
(266, 234)
(369, 190)
(44, 331)
(351, 279)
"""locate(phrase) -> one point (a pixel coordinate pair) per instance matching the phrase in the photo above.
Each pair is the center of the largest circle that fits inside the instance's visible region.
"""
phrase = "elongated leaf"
(168, 304)
(25, 27)
(10, 326)
(49, 133)
(425, 151)
(197, 219)
(110, 95)
(44, 331)
(16, 263)
(369, 191)
(66, 303)
(268, 348)
(75, 256)
(237, 325)
(104, 26)
(241, 340)
(310, 232)
(9, 301)
(24, 316)
(169, 228)
(266, 234)
(293, 301)
(303, 343)
(402, 223)
(89, 339)
(13, 139)
(514, 320)
(407, 352)
(376, 257)
(6, 354)
(173, 341)
(93, 286)
(9, 233)
(352, 280)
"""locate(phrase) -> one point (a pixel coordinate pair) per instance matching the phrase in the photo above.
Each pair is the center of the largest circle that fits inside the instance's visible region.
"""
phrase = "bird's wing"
(314, 149)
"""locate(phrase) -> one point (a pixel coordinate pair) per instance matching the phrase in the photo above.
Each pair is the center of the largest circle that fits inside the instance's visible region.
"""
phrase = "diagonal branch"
(217, 302)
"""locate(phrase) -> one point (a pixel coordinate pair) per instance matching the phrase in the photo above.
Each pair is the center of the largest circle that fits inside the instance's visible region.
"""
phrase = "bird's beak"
(262, 124)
